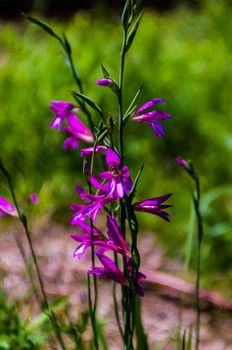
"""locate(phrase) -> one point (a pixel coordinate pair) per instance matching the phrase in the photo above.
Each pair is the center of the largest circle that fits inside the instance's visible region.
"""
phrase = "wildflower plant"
(112, 191)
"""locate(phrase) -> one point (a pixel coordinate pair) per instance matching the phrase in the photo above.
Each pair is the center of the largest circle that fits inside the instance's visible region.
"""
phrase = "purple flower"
(117, 179)
(34, 198)
(6, 208)
(92, 209)
(88, 151)
(76, 131)
(109, 270)
(142, 115)
(62, 110)
(115, 241)
(183, 163)
(86, 241)
(105, 82)
(154, 206)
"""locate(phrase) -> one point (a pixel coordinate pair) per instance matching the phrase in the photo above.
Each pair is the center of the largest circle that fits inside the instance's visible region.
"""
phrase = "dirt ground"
(63, 275)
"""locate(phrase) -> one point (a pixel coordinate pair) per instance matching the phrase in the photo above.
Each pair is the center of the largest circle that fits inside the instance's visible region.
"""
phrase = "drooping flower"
(6, 208)
(154, 206)
(117, 179)
(77, 131)
(144, 115)
(62, 109)
(111, 271)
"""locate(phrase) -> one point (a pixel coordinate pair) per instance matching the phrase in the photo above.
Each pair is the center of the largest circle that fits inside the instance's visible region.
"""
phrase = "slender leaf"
(133, 32)
(141, 337)
(104, 72)
(125, 15)
(67, 45)
(183, 347)
(218, 229)
(102, 339)
(88, 100)
(133, 190)
(44, 26)
(131, 107)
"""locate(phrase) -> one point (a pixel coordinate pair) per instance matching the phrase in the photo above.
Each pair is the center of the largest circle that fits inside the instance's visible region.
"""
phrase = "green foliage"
(184, 57)
(14, 333)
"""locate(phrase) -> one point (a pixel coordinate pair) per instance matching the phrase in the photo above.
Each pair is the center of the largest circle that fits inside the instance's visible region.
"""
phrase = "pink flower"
(77, 131)
(6, 208)
(62, 110)
(154, 206)
(142, 115)
(117, 179)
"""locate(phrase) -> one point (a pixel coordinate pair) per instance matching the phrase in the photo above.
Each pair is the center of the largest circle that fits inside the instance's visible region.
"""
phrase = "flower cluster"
(107, 187)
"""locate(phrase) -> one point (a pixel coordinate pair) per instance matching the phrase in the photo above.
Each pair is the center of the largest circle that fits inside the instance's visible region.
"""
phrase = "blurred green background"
(183, 56)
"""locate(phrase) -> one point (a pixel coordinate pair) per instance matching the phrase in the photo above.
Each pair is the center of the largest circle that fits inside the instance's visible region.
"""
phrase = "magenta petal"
(98, 271)
(89, 150)
(79, 251)
(34, 197)
(112, 158)
(105, 175)
(186, 165)
(158, 129)
(77, 207)
(104, 82)
(149, 104)
(61, 107)
(56, 123)
(94, 181)
(79, 129)
(112, 269)
(153, 206)
(70, 142)
(116, 188)
(115, 235)
(6, 208)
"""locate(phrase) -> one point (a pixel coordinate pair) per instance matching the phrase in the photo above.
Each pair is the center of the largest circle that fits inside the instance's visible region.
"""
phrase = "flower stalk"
(23, 220)
(189, 168)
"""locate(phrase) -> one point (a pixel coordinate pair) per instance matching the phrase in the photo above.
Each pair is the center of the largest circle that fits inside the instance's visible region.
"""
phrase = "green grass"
(184, 57)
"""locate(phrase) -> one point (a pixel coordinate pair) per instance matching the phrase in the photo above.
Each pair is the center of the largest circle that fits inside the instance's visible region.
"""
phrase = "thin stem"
(23, 220)
(198, 261)
(92, 314)
(116, 310)
(93, 306)
(120, 96)
(28, 267)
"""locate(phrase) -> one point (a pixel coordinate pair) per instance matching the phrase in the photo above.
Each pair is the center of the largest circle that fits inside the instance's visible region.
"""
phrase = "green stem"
(92, 314)
(120, 94)
(198, 262)
(23, 220)
(28, 267)
(93, 306)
